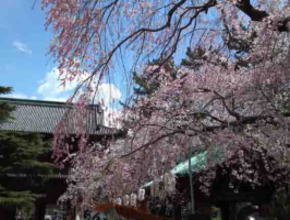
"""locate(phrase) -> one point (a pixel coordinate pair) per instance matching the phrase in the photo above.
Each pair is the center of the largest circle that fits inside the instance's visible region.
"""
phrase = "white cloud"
(112, 117)
(19, 96)
(22, 47)
(108, 94)
(50, 88)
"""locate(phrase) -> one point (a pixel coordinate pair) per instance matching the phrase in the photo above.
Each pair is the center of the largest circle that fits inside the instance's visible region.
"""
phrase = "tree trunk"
(225, 211)
(39, 211)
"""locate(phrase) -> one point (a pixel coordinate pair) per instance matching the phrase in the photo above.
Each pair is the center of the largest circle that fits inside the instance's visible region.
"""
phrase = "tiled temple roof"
(42, 117)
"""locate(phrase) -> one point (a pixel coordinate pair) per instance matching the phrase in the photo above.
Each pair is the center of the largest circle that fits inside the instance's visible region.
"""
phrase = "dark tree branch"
(230, 111)
(248, 9)
(283, 25)
(153, 142)
(258, 15)
(244, 120)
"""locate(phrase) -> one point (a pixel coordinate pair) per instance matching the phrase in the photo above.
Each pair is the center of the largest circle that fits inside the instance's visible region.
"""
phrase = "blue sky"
(24, 63)
(24, 45)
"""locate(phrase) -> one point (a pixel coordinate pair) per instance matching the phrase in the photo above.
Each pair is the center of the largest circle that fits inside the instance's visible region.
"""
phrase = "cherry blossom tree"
(231, 95)
(93, 34)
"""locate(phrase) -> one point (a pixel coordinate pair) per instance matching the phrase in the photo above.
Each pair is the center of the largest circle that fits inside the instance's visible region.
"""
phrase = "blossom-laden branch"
(88, 34)
(231, 95)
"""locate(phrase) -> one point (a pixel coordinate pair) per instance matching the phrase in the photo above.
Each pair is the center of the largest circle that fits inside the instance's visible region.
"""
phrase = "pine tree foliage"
(5, 109)
(149, 81)
(23, 166)
(194, 58)
(22, 170)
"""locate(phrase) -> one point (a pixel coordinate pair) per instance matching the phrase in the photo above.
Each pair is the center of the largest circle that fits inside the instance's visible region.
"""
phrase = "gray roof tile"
(43, 116)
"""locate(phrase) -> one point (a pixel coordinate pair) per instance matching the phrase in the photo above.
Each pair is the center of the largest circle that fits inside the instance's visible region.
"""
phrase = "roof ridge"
(39, 102)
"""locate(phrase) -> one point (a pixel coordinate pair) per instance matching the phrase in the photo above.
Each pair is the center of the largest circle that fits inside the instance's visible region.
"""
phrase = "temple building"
(41, 118)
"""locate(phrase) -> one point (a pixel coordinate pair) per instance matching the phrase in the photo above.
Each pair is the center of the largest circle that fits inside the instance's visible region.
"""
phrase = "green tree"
(149, 81)
(23, 167)
(5, 109)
